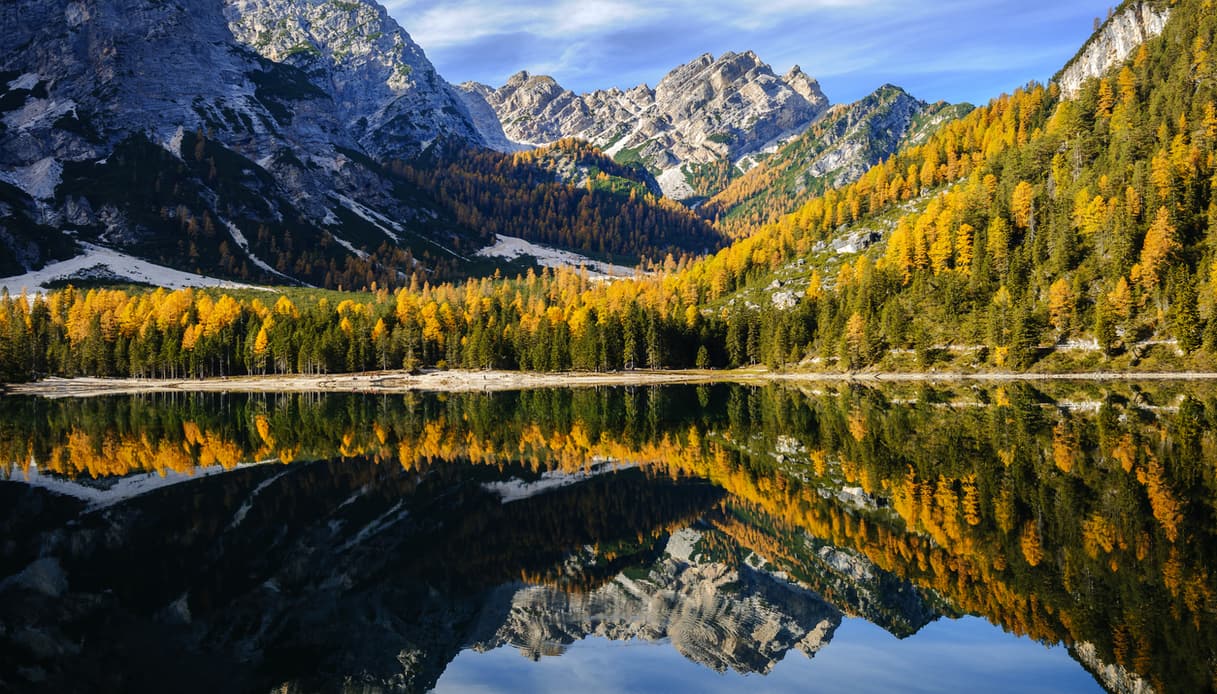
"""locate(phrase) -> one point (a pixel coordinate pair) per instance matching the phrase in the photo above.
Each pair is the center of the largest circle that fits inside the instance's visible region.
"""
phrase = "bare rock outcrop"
(1113, 44)
(708, 110)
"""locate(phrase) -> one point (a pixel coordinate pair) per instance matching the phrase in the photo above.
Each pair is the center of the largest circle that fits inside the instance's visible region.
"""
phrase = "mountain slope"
(386, 93)
(705, 111)
(1124, 32)
(144, 126)
(835, 151)
(249, 140)
(569, 195)
(1036, 232)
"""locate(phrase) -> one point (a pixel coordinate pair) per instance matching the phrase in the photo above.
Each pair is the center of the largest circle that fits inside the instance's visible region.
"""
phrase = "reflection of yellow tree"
(1125, 452)
(1029, 541)
(1064, 447)
(1098, 533)
(1166, 506)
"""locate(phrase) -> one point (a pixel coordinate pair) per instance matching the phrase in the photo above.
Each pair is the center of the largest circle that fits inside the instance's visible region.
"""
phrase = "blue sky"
(941, 49)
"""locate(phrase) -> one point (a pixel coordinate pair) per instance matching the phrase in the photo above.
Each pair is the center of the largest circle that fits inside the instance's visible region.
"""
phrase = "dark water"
(715, 538)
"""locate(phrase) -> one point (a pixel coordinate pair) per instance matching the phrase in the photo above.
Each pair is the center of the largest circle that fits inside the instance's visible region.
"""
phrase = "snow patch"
(674, 184)
(390, 228)
(122, 489)
(239, 516)
(510, 248)
(518, 490)
(39, 179)
(38, 111)
(27, 81)
(681, 544)
(243, 243)
(348, 245)
(173, 144)
(106, 263)
(371, 216)
(383, 521)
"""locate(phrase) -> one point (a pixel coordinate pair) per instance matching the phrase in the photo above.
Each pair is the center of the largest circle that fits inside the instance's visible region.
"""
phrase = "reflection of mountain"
(1088, 526)
(713, 614)
(321, 574)
(291, 574)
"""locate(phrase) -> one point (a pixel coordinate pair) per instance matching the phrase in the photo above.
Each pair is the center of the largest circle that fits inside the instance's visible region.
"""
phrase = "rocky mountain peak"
(384, 87)
(806, 86)
(839, 148)
(757, 619)
(267, 115)
(707, 110)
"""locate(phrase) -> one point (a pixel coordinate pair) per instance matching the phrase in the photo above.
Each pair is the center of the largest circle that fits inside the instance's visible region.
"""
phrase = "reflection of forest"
(1082, 515)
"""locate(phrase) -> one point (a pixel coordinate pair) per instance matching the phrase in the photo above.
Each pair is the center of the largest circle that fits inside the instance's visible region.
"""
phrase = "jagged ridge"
(705, 111)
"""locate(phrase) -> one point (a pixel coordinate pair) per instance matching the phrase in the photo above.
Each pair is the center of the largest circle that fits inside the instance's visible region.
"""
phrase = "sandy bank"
(473, 381)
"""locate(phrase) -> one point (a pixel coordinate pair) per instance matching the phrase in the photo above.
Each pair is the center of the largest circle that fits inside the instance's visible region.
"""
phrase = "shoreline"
(460, 381)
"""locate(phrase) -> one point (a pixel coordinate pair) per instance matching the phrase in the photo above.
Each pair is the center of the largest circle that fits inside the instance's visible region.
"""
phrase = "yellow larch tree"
(1160, 244)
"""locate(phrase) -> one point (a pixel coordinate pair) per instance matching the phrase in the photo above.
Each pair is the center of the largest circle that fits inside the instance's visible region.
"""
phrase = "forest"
(1033, 233)
(614, 212)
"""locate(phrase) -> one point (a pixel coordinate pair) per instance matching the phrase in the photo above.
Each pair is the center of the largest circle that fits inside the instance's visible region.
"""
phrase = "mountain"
(385, 92)
(149, 128)
(568, 195)
(319, 573)
(837, 150)
(1049, 229)
(721, 616)
(258, 141)
(706, 111)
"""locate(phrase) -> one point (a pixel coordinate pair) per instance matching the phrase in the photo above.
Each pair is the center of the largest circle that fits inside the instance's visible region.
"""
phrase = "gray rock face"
(306, 90)
(705, 111)
(1113, 44)
(385, 90)
(866, 132)
(128, 66)
(485, 119)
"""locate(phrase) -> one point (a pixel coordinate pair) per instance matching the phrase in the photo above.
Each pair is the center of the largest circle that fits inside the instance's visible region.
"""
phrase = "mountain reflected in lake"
(709, 538)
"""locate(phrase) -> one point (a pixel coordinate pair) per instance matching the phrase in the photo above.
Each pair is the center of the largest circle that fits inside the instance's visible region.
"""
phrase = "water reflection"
(168, 539)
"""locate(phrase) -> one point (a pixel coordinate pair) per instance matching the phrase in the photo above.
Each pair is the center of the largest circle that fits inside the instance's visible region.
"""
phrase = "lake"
(719, 538)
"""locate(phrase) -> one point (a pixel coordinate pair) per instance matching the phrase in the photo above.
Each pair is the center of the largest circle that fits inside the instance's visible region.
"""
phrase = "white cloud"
(438, 25)
(462, 22)
(955, 49)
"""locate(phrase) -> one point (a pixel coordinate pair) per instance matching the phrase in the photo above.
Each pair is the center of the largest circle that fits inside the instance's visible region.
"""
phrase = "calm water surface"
(710, 539)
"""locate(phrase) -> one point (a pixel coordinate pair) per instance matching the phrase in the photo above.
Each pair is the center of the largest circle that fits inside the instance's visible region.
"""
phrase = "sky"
(956, 50)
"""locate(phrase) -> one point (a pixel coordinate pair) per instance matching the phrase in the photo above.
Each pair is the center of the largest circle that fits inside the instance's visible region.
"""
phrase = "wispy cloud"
(952, 49)
(440, 25)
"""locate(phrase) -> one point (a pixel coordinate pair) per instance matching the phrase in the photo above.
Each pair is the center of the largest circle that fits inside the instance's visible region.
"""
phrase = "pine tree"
(1185, 313)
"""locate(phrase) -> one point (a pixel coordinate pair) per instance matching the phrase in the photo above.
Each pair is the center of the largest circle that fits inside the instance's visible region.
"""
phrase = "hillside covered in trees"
(1035, 226)
(568, 194)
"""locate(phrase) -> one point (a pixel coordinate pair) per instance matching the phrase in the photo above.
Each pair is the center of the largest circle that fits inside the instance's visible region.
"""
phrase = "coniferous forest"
(1036, 232)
